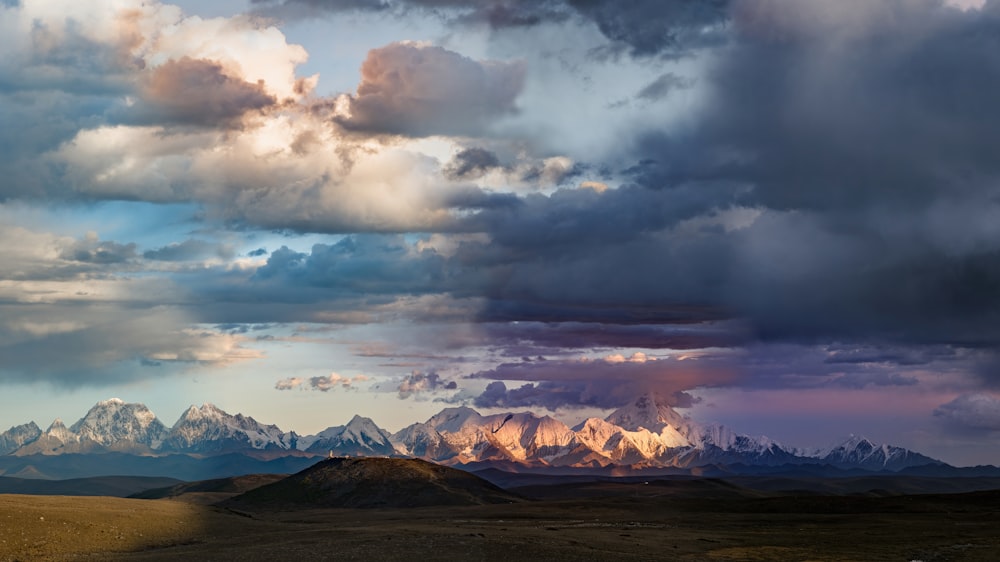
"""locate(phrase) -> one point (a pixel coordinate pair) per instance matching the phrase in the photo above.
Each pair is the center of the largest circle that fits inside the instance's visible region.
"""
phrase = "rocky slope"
(18, 436)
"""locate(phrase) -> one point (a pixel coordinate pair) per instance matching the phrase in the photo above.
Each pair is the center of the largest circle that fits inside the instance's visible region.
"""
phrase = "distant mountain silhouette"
(233, 485)
(374, 482)
(116, 486)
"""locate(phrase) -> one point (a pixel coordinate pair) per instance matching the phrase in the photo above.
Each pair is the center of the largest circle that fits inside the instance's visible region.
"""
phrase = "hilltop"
(374, 482)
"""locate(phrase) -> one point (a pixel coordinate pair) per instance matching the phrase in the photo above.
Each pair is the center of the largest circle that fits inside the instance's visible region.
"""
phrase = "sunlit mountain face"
(778, 217)
(644, 437)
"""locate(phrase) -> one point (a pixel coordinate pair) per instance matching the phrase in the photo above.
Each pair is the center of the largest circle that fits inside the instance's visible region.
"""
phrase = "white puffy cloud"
(211, 111)
(111, 43)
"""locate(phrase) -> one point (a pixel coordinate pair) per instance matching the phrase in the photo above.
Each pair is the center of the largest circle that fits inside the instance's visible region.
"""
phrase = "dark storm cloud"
(577, 220)
(305, 8)
(539, 337)
(474, 198)
(419, 90)
(545, 394)
(653, 27)
(890, 134)
(494, 13)
(971, 413)
(862, 140)
(603, 257)
(553, 396)
(662, 87)
(600, 383)
(472, 163)
(609, 382)
(644, 27)
(419, 382)
(366, 264)
(511, 13)
(92, 250)
(873, 178)
(797, 366)
(907, 357)
(864, 380)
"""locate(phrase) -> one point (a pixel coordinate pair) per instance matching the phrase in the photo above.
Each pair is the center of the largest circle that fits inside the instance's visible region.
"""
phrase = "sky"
(781, 215)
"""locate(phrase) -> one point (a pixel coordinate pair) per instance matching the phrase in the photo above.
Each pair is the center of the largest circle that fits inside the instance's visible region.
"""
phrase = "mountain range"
(643, 435)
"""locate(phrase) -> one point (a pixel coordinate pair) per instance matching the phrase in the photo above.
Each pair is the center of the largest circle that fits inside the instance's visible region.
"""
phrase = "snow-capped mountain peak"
(113, 421)
(454, 419)
(207, 411)
(646, 412)
(361, 436)
(859, 451)
(210, 429)
(58, 430)
(18, 436)
(644, 433)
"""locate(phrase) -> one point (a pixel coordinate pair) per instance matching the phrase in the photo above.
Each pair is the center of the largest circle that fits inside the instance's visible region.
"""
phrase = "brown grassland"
(629, 522)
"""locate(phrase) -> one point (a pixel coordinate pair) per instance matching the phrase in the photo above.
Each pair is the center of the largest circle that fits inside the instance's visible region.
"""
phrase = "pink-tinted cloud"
(420, 90)
(199, 92)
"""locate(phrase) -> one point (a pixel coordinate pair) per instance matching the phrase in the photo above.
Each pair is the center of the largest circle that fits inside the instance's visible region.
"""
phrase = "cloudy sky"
(782, 215)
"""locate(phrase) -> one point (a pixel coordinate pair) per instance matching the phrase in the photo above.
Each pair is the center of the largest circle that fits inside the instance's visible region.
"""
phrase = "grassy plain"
(623, 523)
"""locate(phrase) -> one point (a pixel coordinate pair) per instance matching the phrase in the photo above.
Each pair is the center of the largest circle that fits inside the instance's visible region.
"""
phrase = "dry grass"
(609, 528)
(67, 527)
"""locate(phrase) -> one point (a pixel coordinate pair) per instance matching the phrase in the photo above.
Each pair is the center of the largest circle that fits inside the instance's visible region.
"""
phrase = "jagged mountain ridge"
(859, 452)
(110, 425)
(643, 434)
(208, 429)
(360, 437)
(111, 421)
(17, 436)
